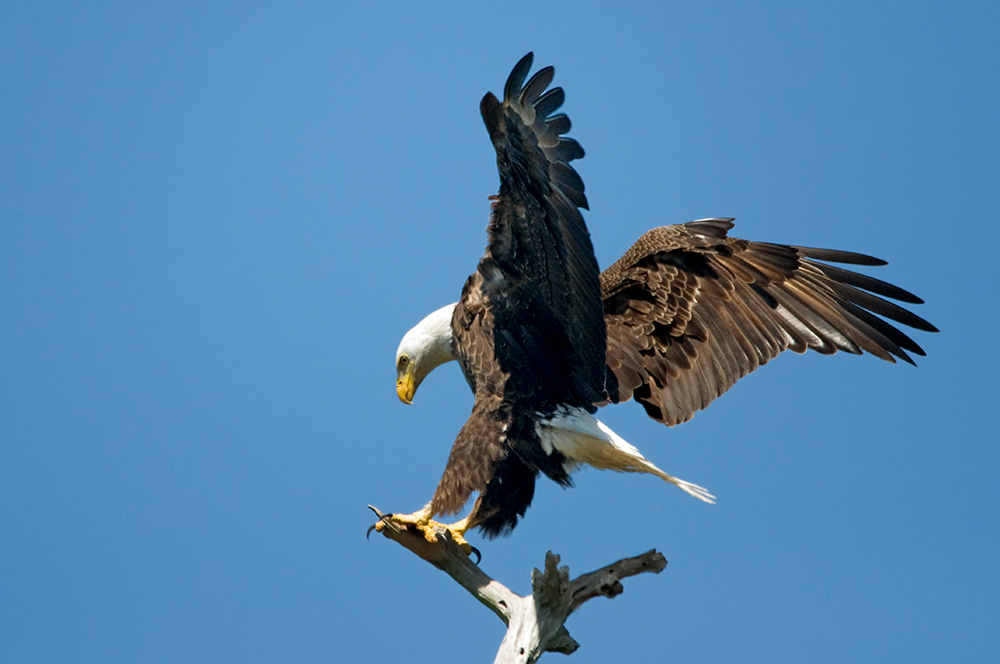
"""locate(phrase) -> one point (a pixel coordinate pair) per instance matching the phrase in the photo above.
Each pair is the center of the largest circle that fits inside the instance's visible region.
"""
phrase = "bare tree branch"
(535, 624)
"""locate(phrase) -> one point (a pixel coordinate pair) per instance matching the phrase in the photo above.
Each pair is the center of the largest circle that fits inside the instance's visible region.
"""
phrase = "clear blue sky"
(217, 220)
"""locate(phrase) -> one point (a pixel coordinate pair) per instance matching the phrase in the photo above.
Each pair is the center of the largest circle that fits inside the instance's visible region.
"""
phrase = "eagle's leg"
(421, 520)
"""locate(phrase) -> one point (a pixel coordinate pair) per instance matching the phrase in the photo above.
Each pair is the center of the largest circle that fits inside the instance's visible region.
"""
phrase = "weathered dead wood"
(535, 624)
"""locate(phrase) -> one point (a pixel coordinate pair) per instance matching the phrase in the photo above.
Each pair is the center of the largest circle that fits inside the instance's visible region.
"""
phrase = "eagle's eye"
(403, 361)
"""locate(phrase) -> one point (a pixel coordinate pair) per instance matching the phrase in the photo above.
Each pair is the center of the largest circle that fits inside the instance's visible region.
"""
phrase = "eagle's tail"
(582, 438)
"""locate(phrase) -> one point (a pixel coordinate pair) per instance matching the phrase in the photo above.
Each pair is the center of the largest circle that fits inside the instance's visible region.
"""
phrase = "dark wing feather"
(539, 271)
(529, 330)
(690, 311)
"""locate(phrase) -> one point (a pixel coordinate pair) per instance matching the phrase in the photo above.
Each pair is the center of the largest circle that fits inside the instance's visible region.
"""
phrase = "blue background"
(217, 220)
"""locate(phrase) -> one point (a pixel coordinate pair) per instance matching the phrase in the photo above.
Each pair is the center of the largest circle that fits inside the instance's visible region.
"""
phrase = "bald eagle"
(544, 338)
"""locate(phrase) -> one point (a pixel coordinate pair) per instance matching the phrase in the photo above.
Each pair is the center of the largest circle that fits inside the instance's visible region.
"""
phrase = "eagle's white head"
(425, 347)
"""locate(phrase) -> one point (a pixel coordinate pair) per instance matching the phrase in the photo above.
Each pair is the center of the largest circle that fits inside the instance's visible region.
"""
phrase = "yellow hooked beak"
(405, 387)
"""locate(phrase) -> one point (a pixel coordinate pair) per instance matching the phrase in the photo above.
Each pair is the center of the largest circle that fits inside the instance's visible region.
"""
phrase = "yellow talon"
(430, 529)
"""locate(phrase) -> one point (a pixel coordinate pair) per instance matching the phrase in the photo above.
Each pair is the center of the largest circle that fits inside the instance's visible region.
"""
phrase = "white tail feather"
(583, 438)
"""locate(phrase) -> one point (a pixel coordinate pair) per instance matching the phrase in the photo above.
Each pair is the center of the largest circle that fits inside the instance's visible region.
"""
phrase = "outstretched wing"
(539, 271)
(690, 311)
(529, 330)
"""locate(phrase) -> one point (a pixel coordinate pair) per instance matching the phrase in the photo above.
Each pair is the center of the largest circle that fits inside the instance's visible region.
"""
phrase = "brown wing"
(529, 330)
(539, 272)
(690, 311)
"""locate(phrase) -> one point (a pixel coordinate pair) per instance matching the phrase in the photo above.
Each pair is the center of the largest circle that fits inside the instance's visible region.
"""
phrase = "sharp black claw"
(479, 556)
(381, 518)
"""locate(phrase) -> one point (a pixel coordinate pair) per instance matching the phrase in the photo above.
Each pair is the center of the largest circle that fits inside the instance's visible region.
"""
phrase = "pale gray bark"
(535, 624)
